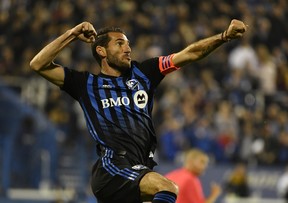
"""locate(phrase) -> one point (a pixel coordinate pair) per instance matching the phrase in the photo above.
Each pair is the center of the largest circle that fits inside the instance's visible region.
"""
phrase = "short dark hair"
(102, 39)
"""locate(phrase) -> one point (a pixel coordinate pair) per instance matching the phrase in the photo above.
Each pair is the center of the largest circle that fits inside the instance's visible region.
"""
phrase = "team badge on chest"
(132, 84)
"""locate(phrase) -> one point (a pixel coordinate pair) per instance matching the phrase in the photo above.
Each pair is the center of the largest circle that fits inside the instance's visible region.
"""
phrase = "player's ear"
(101, 51)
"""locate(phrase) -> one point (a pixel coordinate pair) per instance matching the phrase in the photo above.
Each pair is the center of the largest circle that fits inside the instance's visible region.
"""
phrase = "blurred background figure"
(187, 179)
(282, 185)
(237, 182)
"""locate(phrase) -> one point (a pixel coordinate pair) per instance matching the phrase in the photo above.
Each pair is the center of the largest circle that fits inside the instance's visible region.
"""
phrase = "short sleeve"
(150, 68)
(74, 82)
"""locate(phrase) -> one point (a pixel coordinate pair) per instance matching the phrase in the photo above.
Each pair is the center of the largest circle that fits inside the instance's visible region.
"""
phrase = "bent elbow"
(36, 65)
(33, 65)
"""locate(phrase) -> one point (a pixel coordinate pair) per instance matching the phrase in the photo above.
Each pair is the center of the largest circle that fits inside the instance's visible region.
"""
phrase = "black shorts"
(116, 180)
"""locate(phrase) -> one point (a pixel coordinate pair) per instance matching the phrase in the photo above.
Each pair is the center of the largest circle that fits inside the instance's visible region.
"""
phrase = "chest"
(129, 92)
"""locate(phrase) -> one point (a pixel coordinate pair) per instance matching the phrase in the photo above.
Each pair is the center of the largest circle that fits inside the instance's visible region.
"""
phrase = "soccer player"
(117, 104)
(187, 179)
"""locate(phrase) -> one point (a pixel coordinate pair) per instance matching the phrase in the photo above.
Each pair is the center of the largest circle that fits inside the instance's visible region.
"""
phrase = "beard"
(117, 64)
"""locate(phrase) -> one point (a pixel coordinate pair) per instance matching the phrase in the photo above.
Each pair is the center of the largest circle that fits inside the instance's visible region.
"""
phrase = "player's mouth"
(127, 57)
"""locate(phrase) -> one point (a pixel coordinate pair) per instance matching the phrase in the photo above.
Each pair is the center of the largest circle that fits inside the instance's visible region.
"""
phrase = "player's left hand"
(235, 30)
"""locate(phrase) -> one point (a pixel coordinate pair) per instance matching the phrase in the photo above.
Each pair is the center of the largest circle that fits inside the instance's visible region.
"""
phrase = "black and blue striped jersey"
(118, 109)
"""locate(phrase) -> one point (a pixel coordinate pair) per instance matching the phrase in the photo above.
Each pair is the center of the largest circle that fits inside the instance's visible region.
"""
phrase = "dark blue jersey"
(118, 109)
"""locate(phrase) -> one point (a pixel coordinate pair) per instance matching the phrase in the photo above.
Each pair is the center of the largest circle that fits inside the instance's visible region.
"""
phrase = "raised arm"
(202, 48)
(43, 63)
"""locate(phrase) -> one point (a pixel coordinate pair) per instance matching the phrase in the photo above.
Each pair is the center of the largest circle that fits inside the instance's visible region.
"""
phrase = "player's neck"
(111, 71)
(107, 70)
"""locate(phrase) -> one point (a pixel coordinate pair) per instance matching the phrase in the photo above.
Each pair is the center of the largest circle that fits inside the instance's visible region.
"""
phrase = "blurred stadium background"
(233, 104)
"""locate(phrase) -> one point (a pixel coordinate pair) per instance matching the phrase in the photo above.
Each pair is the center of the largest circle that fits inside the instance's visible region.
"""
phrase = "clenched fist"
(235, 30)
(85, 32)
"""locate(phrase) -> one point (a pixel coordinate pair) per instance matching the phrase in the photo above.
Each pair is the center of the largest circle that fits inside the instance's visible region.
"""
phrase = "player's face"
(200, 164)
(118, 51)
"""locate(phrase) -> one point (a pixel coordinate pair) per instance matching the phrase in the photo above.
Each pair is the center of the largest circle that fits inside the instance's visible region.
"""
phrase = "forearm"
(198, 50)
(202, 48)
(46, 56)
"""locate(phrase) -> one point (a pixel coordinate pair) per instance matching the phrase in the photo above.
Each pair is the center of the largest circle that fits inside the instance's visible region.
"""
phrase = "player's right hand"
(85, 32)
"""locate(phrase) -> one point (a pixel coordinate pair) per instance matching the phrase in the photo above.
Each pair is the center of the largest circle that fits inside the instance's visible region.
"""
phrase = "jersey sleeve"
(156, 68)
(74, 82)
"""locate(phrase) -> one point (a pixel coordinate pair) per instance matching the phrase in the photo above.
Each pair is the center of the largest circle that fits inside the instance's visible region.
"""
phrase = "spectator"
(227, 127)
(243, 149)
(172, 139)
(265, 147)
(187, 179)
(25, 171)
(267, 73)
(283, 148)
(237, 182)
(282, 185)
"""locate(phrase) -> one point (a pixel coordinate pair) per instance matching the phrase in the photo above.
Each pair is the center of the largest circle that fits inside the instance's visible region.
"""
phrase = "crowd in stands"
(233, 104)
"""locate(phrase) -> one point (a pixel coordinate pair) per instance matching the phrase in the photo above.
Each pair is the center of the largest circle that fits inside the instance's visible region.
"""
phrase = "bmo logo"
(140, 99)
(119, 101)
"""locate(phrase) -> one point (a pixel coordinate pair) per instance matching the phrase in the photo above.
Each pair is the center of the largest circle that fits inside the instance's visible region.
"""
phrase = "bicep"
(53, 73)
